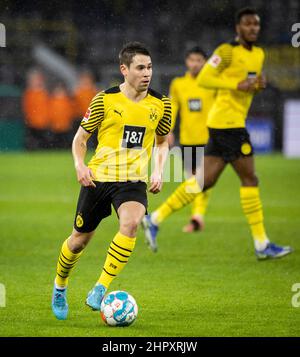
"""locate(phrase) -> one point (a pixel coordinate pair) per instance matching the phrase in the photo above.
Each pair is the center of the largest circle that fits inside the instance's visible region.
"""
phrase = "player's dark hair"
(196, 49)
(131, 49)
(244, 11)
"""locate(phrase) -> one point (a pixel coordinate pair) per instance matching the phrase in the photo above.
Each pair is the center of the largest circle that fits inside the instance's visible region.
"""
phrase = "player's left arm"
(261, 82)
(161, 147)
(261, 79)
(160, 156)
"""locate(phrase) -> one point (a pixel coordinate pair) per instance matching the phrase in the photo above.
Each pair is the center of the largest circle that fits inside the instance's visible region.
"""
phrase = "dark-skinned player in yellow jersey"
(128, 118)
(235, 71)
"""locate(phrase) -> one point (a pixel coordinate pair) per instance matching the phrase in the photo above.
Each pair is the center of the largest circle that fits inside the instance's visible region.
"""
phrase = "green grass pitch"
(206, 284)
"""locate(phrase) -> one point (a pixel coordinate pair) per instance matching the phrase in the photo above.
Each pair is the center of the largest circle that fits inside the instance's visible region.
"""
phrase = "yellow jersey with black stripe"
(193, 104)
(230, 64)
(126, 133)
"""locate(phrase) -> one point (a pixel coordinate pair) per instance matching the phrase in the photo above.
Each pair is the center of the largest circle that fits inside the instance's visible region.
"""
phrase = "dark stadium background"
(89, 34)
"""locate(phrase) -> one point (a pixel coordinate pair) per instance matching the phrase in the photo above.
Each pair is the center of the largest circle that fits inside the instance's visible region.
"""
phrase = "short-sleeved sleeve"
(94, 114)
(165, 123)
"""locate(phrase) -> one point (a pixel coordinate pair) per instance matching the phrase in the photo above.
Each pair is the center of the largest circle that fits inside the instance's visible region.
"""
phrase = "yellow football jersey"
(230, 64)
(126, 133)
(193, 103)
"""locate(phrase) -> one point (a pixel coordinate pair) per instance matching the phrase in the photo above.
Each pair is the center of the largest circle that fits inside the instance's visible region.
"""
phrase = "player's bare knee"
(129, 227)
(251, 181)
(78, 241)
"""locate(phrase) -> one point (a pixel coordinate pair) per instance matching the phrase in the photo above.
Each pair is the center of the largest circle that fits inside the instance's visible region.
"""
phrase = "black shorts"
(190, 160)
(229, 144)
(94, 203)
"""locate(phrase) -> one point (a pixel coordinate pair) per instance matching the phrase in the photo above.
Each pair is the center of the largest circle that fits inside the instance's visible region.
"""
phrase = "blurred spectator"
(84, 93)
(35, 104)
(61, 117)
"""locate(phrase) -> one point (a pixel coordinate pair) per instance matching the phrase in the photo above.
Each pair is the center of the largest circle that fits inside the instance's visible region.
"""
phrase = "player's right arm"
(91, 121)
(210, 75)
(79, 148)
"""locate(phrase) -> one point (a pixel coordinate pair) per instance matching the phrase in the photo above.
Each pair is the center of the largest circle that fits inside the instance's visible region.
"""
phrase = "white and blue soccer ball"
(118, 308)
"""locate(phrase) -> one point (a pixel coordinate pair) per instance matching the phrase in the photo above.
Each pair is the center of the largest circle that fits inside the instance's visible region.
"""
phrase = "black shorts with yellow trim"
(229, 144)
(94, 203)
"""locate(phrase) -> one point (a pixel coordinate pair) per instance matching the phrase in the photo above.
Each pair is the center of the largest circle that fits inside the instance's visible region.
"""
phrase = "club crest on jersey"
(153, 114)
(87, 115)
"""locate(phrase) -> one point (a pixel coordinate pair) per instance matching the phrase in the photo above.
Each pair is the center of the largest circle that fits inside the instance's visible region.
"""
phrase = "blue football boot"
(59, 303)
(150, 231)
(272, 251)
(95, 297)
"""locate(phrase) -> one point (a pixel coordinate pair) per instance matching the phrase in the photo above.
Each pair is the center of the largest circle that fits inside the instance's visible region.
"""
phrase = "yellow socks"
(200, 203)
(252, 208)
(65, 264)
(118, 254)
(182, 196)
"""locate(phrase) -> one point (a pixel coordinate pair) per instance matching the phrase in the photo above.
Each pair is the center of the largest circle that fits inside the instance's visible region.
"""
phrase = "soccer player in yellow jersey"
(128, 119)
(193, 103)
(235, 70)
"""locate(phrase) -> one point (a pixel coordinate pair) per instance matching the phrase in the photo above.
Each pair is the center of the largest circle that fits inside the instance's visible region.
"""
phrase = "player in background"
(128, 118)
(193, 104)
(235, 70)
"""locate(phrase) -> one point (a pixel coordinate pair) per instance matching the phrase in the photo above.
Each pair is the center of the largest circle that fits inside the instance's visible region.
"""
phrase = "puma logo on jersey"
(120, 113)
